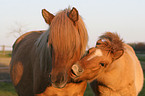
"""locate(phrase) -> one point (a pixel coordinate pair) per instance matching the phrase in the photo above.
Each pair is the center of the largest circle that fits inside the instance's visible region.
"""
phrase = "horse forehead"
(97, 52)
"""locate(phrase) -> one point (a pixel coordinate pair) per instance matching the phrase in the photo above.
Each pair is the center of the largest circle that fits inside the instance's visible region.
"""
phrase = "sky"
(126, 17)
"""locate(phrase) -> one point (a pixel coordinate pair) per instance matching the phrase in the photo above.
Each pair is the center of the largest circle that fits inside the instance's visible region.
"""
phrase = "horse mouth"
(76, 71)
(73, 75)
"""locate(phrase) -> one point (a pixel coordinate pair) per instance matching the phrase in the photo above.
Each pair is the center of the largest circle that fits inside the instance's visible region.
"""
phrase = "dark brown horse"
(41, 56)
(113, 66)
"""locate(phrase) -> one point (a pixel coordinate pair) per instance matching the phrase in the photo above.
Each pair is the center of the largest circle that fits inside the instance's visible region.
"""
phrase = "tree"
(18, 29)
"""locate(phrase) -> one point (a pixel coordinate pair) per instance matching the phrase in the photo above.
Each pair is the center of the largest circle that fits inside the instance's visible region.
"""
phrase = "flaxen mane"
(114, 43)
(65, 38)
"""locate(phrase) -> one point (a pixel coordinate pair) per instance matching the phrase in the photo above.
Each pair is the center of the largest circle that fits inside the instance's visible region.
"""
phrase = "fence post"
(3, 49)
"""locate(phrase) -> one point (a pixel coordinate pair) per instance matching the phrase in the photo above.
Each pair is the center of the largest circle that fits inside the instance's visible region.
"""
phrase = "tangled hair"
(110, 41)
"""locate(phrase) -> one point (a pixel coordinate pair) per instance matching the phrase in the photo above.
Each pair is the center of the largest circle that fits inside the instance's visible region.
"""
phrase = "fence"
(4, 49)
(4, 63)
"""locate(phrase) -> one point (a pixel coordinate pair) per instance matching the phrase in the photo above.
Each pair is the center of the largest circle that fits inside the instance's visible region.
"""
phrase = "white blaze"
(97, 52)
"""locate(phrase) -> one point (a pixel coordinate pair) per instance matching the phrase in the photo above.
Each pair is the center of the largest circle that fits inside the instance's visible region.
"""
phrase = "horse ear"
(47, 16)
(118, 54)
(74, 15)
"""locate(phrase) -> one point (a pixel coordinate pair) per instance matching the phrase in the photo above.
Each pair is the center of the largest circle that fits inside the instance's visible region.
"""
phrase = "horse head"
(68, 39)
(99, 59)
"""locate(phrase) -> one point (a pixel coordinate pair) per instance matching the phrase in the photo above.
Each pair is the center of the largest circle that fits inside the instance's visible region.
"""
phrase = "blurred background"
(126, 17)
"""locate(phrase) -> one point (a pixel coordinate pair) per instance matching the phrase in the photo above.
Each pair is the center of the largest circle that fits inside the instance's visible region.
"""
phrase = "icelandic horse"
(42, 60)
(112, 67)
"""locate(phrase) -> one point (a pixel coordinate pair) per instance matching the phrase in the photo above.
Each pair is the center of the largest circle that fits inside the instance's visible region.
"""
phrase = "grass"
(7, 89)
(142, 93)
(4, 62)
(88, 91)
(7, 54)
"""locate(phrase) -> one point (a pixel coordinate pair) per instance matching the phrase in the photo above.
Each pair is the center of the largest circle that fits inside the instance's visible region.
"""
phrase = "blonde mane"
(65, 37)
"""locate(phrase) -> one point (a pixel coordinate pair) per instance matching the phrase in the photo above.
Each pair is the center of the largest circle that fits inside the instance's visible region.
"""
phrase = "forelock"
(114, 43)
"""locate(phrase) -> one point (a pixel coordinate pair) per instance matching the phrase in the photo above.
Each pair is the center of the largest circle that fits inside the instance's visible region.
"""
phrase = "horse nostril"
(80, 70)
(76, 70)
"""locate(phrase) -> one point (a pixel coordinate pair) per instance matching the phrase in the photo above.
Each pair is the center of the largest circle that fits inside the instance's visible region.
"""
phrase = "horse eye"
(98, 43)
(102, 64)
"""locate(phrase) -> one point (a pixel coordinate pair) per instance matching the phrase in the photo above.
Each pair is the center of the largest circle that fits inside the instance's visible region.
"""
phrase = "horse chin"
(62, 85)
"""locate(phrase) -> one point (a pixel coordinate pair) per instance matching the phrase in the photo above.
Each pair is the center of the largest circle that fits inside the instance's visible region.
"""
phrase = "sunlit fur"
(117, 73)
(114, 43)
(43, 55)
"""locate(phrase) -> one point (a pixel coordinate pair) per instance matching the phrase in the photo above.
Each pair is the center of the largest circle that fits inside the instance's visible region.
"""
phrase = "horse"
(41, 60)
(111, 67)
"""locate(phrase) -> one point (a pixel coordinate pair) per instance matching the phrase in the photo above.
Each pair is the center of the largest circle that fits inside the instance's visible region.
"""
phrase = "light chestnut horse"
(42, 60)
(114, 67)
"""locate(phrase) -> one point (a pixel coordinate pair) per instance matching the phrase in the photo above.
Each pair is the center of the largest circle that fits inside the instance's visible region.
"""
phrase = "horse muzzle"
(76, 71)
(59, 81)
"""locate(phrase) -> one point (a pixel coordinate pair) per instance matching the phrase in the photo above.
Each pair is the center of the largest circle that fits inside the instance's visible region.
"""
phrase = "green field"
(7, 89)
(7, 54)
